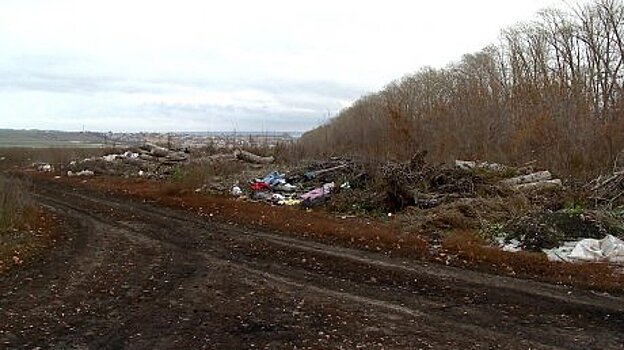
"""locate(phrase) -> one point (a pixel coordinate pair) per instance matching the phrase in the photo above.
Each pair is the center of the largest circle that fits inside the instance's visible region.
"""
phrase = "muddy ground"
(130, 274)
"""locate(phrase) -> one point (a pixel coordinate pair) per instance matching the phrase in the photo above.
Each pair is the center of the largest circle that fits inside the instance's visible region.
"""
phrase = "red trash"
(258, 186)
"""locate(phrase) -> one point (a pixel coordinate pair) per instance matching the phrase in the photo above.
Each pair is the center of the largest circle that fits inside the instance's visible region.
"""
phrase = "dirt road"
(135, 275)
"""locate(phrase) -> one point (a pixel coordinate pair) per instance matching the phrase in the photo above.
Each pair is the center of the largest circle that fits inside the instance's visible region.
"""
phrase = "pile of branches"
(400, 181)
(608, 190)
(339, 170)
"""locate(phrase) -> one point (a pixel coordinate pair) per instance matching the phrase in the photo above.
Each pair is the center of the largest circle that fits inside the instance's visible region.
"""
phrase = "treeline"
(550, 91)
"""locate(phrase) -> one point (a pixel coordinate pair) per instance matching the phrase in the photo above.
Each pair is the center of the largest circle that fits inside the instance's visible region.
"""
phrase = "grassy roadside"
(25, 231)
(17, 210)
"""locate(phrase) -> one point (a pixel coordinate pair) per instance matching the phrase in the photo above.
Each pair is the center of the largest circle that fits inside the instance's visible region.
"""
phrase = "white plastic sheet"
(609, 249)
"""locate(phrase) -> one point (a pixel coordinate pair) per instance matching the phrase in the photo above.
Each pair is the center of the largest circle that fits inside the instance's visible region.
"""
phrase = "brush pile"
(608, 190)
(353, 185)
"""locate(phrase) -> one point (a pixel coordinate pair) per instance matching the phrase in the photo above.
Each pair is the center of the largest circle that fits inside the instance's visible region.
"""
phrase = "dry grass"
(25, 245)
(24, 230)
(15, 158)
(16, 209)
(195, 175)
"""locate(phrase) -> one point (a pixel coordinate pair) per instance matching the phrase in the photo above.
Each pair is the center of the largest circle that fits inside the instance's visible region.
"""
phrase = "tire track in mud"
(560, 293)
(351, 255)
(396, 303)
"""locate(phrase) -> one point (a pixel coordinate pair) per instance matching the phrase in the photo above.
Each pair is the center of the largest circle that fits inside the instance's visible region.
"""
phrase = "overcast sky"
(183, 65)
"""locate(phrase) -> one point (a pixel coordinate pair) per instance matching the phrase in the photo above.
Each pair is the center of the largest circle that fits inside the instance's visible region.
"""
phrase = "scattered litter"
(45, 168)
(289, 202)
(318, 192)
(130, 155)
(273, 178)
(285, 187)
(262, 196)
(80, 173)
(276, 197)
(236, 191)
(109, 157)
(258, 186)
(513, 246)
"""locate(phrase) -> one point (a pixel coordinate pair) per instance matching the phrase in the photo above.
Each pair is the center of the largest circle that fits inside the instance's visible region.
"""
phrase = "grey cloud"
(57, 74)
(36, 80)
(232, 116)
(293, 105)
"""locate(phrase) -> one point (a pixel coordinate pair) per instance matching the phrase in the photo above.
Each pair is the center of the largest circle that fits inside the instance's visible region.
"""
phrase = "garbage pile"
(308, 185)
(575, 234)
(345, 184)
(148, 160)
(571, 234)
(546, 230)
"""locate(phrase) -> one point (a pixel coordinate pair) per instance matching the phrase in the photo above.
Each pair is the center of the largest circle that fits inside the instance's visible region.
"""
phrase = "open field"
(46, 139)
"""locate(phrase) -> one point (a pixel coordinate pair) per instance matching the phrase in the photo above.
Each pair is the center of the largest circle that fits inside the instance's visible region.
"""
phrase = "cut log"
(253, 158)
(465, 164)
(155, 150)
(216, 158)
(541, 185)
(159, 152)
(469, 165)
(313, 174)
(146, 157)
(425, 201)
(530, 178)
(177, 156)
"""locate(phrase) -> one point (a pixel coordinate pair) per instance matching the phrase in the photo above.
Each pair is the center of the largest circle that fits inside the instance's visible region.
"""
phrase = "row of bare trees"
(552, 90)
